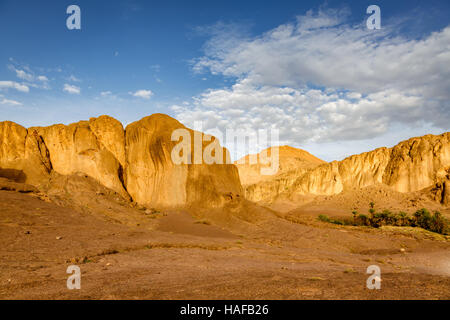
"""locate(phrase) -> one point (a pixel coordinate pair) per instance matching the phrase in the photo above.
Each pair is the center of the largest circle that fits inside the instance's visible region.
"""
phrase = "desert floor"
(130, 254)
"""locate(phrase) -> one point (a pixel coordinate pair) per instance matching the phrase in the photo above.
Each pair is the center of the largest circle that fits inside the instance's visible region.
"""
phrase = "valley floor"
(173, 256)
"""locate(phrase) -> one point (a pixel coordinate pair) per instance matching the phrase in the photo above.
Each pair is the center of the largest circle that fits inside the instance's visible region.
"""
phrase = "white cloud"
(73, 78)
(320, 79)
(14, 85)
(144, 94)
(9, 102)
(105, 93)
(24, 75)
(71, 89)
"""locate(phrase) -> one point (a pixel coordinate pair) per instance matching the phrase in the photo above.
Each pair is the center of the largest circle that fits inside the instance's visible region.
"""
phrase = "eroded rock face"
(440, 192)
(412, 165)
(137, 163)
(92, 147)
(153, 179)
(445, 200)
(24, 157)
(418, 162)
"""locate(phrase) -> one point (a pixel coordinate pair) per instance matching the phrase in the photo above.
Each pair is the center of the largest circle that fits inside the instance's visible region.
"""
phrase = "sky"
(310, 69)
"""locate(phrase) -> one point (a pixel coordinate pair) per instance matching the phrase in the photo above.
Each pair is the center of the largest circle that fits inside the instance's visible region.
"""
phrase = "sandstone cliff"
(90, 147)
(153, 178)
(23, 157)
(412, 165)
(136, 162)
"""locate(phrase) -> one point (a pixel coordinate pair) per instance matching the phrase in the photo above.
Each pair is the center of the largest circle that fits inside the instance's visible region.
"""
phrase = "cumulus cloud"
(144, 94)
(71, 89)
(42, 78)
(320, 79)
(14, 85)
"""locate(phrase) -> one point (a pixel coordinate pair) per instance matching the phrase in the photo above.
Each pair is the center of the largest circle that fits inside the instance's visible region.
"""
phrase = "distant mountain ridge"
(136, 163)
(412, 165)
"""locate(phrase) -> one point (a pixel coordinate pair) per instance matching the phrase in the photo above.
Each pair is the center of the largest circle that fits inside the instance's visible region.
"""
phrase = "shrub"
(438, 223)
(403, 219)
(362, 220)
(348, 222)
(421, 218)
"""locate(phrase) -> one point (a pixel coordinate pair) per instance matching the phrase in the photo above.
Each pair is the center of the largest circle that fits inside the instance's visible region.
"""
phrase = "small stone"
(58, 238)
(108, 264)
(27, 232)
(402, 250)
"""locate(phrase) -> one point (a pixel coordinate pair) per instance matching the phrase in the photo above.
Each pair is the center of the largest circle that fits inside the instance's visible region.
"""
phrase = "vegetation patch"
(421, 219)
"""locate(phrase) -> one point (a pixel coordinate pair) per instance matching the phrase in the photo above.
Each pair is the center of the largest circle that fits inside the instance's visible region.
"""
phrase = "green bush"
(421, 218)
(403, 219)
(439, 224)
(362, 220)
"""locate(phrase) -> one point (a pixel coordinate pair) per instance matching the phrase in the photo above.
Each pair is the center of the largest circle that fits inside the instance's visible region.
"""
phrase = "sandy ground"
(171, 255)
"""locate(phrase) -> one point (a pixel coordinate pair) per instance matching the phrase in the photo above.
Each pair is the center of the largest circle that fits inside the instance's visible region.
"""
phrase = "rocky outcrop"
(412, 165)
(153, 178)
(23, 157)
(136, 162)
(418, 162)
(93, 147)
(440, 192)
(445, 198)
(283, 159)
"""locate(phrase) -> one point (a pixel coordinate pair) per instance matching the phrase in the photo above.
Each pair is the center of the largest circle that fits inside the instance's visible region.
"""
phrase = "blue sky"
(190, 59)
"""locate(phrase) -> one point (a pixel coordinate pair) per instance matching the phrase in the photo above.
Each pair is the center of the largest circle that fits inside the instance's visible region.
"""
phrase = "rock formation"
(440, 192)
(90, 147)
(23, 157)
(136, 162)
(152, 177)
(412, 165)
(289, 158)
